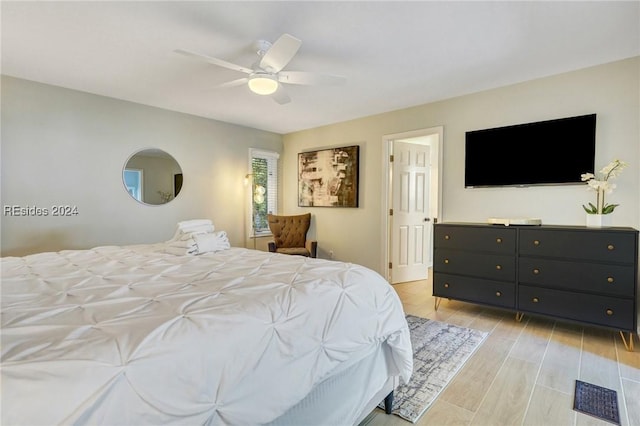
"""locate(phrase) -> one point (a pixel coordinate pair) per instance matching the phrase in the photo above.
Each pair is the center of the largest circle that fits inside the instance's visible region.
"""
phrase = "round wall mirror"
(151, 176)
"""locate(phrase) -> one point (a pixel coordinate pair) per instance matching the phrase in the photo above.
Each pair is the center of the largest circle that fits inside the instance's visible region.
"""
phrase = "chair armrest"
(312, 246)
(272, 246)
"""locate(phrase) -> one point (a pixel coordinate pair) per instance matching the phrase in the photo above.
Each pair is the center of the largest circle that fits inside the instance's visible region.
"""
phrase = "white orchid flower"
(587, 176)
(602, 186)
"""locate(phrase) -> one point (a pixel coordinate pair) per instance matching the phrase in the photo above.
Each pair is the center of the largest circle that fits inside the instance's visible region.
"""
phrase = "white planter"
(598, 220)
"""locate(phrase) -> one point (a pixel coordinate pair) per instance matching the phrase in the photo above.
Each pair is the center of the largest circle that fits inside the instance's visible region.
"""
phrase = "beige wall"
(357, 235)
(51, 137)
(66, 147)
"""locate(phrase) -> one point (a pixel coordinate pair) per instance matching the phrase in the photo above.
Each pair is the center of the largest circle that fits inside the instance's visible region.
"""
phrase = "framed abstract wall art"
(328, 177)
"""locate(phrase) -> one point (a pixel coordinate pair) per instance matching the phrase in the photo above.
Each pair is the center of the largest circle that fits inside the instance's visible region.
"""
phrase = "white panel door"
(411, 224)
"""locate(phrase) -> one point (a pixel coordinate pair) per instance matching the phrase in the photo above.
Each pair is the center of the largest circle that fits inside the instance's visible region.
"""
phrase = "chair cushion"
(301, 251)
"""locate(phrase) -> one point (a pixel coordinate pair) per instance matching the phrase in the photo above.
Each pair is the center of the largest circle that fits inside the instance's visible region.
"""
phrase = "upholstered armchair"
(290, 235)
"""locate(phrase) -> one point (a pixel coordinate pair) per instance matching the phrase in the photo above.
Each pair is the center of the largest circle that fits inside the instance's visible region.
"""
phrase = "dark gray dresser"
(573, 273)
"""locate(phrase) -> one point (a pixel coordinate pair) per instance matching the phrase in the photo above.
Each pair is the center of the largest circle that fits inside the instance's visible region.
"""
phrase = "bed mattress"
(131, 335)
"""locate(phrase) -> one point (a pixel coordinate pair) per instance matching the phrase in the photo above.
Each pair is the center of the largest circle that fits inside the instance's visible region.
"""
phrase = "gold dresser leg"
(436, 303)
(628, 345)
(519, 316)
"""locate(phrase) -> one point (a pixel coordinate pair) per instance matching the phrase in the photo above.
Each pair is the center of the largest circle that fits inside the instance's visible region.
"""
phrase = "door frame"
(387, 174)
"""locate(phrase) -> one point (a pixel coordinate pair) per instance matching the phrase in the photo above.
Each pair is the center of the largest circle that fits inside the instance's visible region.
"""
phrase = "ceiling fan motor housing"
(262, 46)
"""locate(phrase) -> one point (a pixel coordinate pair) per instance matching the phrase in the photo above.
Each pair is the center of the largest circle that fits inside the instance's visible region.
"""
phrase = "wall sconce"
(258, 194)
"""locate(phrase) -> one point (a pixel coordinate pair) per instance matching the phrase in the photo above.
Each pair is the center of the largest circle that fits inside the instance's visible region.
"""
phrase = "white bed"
(130, 335)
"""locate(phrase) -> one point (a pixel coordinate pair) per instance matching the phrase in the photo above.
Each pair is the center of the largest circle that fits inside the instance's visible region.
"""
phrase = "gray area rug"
(439, 351)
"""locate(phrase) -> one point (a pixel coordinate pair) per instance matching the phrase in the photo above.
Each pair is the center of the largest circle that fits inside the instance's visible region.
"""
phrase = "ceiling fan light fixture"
(263, 84)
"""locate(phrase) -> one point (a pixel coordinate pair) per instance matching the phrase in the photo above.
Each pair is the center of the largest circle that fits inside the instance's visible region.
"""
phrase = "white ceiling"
(394, 54)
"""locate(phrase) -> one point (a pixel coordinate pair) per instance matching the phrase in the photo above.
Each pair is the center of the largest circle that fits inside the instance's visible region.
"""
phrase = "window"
(264, 188)
(133, 182)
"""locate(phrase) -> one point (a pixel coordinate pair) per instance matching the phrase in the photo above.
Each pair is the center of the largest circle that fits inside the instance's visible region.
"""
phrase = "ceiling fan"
(266, 75)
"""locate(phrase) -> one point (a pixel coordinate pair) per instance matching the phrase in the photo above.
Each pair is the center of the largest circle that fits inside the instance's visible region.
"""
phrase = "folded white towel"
(223, 240)
(196, 228)
(198, 243)
(185, 237)
(212, 242)
(185, 228)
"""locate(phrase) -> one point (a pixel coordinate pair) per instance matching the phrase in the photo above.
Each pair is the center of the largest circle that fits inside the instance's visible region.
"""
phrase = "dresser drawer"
(475, 290)
(598, 310)
(482, 238)
(615, 280)
(482, 265)
(598, 245)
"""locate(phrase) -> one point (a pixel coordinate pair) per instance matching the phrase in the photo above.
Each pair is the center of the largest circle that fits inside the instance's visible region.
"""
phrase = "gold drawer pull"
(609, 312)
(446, 261)
(498, 240)
(498, 294)
(611, 247)
(499, 267)
(446, 285)
(536, 242)
(610, 280)
(536, 271)
(535, 300)
(446, 237)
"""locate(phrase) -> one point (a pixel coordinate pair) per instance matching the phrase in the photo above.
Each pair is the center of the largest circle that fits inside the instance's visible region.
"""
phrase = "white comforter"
(128, 335)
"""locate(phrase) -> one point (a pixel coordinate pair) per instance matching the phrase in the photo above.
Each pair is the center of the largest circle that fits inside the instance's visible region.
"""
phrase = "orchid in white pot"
(601, 185)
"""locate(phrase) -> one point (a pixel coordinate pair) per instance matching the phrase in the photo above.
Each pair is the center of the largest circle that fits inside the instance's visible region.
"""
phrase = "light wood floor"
(524, 373)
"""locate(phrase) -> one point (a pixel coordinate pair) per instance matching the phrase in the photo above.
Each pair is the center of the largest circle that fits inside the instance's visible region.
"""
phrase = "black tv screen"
(552, 152)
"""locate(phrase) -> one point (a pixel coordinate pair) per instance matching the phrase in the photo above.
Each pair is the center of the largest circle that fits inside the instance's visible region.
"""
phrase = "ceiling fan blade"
(281, 96)
(215, 61)
(232, 83)
(309, 78)
(280, 53)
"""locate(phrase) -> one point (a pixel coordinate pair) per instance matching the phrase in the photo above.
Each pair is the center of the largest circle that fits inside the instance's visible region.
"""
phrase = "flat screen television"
(553, 152)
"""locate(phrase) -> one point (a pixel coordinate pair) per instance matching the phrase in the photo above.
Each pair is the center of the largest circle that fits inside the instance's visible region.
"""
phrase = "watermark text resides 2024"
(30, 211)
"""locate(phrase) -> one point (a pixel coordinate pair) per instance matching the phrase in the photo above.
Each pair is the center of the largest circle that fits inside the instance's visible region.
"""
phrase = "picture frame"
(329, 177)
